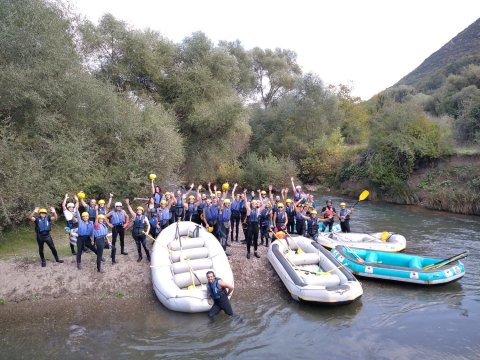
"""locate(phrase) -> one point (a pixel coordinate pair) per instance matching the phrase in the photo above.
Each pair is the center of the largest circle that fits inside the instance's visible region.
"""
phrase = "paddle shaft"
(446, 261)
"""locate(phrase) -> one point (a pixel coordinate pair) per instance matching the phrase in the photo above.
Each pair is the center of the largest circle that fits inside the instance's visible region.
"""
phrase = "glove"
(275, 229)
(282, 227)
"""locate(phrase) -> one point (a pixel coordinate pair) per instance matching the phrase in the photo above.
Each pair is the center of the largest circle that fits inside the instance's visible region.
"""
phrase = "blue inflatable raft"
(400, 267)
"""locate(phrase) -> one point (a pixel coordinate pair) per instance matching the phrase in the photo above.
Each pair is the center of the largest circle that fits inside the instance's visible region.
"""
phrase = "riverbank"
(22, 279)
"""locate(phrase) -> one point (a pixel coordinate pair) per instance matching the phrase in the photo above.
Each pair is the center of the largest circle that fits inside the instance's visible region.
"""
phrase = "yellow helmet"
(225, 186)
(210, 229)
(42, 210)
(101, 202)
(81, 195)
(226, 201)
(101, 216)
(163, 202)
(218, 192)
(167, 193)
(254, 201)
(313, 212)
(263, 192)
(140, 208)
(288, 201)
(280, 205)
(343, 204)
(191, 197)
(152, 176)
(85, 214)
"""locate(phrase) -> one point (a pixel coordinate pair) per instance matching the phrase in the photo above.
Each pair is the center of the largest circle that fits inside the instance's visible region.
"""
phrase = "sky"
(367, 44)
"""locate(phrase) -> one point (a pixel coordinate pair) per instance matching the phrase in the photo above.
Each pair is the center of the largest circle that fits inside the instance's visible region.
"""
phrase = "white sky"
(369, 44)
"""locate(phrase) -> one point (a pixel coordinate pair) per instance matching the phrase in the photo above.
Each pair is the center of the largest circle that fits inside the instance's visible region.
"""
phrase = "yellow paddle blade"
(385, 236)
(191, 287)
(299, 250)
(363, 195)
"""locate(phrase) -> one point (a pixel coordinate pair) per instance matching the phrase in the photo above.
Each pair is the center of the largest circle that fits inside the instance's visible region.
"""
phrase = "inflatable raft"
(312, 274)
(182, 254)
(400, 267)
(382, 241)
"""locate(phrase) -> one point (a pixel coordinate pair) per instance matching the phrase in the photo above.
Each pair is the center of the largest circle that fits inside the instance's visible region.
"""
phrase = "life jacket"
(179, 202)
(102, 211)
(343, 212)
(214, 291)
(280, 220)
(85, 229)
(191, 210)
(253, 215)
(265, 217)
(43, 226)
(312, 226)
(163, 215)
(236, 205)
(290, 210)
(118, 218)
(101, 231)
(138, 225)
(151, 213)
(157, 198)
(92, 212)
(211, 213)
(298, 216)
(226, 214)
(296, 196)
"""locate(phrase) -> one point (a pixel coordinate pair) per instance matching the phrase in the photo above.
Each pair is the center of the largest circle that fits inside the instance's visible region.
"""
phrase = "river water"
(390, 321)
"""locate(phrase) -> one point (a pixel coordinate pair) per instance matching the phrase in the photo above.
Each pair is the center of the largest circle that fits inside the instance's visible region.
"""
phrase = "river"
(390, 321)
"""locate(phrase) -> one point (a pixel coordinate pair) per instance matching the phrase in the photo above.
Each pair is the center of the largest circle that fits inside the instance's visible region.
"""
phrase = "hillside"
(462, 47)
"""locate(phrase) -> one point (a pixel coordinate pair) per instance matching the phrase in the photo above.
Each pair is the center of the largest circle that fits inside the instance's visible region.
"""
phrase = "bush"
(259, 172)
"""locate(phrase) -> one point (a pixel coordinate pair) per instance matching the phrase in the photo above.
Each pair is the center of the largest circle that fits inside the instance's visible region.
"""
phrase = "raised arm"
(209, 188)
(130, 210)
(293, 185)
(32, 215)
(64, 203)
(109, 201)
(233, 191)
(54, 213)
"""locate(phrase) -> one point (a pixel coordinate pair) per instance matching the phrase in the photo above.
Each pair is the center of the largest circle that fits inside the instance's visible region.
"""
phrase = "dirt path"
(25, 280)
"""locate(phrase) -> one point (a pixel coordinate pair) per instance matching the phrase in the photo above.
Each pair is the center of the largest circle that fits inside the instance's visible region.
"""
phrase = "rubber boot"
(148, 255)
(57, 259)
(99, 267)
(113, 255)
(256, 255)
(44, 263)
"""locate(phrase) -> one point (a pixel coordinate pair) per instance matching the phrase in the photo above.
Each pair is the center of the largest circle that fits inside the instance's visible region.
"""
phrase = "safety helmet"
(263, 192)
(167, 193)
(226, 201)
(210, 229)
(280, 206)
(118, 204)
(213, 196)
(101, 216)
(298, 187)
(254, 202)
(225, 186)
(313, 212)
(191, 197)
(280, 235)
(163, 202)
(152, 176)
(329, 201)
(140, 208)
(42, 210)
(218, 192)
(101, 202)
(343, 204)
(85, 214)
(288, 201)
(70, 205)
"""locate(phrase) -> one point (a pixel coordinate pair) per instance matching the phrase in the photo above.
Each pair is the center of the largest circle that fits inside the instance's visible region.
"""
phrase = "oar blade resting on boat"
(313, 275)
(181, 256)
(407, 268)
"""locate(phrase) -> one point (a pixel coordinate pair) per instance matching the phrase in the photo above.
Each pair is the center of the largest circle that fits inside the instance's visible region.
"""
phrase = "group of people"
(258, 214)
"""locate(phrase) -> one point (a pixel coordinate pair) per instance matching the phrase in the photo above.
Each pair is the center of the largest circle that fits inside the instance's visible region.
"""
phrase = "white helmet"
(70, 204)
(118, 203)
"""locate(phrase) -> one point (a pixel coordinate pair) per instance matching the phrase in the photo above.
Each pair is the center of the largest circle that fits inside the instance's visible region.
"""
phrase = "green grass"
(3, 301)
(119, 294)
(21, 242)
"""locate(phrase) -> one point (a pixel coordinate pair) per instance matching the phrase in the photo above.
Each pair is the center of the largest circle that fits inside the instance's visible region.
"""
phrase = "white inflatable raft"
(312, 274)
(181, 256)
(382, 241)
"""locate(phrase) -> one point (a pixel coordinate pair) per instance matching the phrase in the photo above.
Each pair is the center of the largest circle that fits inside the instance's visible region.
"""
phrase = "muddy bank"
(25, 280)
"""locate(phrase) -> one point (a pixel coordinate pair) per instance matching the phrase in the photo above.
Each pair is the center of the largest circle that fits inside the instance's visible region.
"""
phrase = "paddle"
(441, 263)
(339, 238)
(364, 194)
(299, 249)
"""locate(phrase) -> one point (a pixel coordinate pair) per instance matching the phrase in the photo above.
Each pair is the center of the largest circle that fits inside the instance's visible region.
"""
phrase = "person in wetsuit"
(217, 294)
(43, 226)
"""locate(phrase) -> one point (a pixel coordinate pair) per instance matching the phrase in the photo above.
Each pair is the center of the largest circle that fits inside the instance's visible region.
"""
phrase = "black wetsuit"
(220, 299)
(42, 228)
